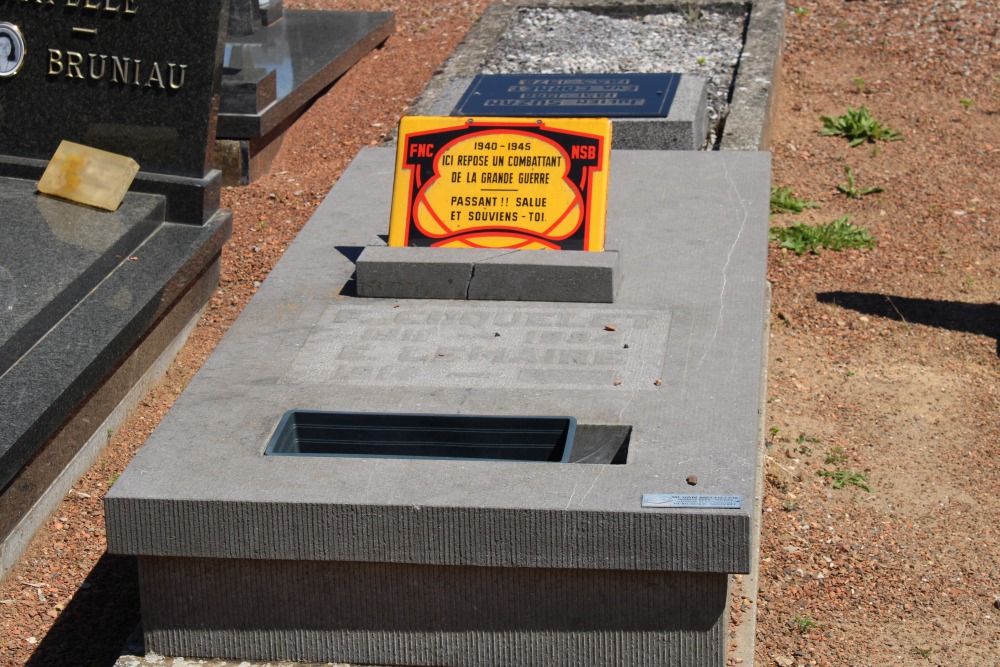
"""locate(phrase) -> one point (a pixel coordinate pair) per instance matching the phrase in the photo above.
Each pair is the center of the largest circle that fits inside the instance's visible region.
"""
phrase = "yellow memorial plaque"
(88, 176)
(511, 183)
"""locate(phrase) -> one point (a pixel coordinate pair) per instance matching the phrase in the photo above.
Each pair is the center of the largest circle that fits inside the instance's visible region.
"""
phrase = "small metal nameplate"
(692, 501)
(570, 95)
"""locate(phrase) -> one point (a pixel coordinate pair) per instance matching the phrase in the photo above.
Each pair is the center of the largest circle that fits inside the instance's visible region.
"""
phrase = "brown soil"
(883, 362)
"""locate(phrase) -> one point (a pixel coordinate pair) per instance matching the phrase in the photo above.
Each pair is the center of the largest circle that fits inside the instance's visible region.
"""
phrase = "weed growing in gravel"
(836, 235)
(853, 191)
(836, 456)
(858, 126)
(859, 83)
(112, 480)
(922, 652)
(801, 11)
(841, 478)
(783, 200)
(803, 623)
(967, 103)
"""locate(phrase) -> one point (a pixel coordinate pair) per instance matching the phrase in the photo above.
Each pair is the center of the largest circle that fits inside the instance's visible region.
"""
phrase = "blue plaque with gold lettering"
(570, 95)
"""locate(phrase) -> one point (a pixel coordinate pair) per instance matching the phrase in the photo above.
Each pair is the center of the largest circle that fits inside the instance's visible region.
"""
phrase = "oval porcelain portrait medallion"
(11, 50)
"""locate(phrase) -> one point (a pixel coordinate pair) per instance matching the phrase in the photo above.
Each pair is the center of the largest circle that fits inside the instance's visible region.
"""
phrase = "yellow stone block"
(88, 176)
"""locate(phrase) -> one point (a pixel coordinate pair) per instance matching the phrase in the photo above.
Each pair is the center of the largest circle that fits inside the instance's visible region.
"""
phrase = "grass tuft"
(853, 191)
(783, 200)
(841, 478)
(858, 126)
(839, 234)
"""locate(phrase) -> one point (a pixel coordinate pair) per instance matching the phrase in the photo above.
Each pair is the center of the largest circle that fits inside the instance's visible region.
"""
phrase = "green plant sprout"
(857, 126)
(836, 456)
(841, 478)
(839, 234)
(783, 200)
(922, 652)
(803, 623)
(967, 103)
(801, 11)
(855, 192)
(859, 83)
(701, 60)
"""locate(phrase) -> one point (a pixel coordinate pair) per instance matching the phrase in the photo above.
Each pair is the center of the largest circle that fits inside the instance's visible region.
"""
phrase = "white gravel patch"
(575, 41)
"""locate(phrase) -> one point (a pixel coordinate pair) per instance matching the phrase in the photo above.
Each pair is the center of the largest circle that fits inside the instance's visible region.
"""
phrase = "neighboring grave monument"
(661, 111)
(277, 61)
(125, 76)
(92, 302)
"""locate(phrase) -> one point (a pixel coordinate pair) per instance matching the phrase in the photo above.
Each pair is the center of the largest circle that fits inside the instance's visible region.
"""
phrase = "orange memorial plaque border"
(547, 183)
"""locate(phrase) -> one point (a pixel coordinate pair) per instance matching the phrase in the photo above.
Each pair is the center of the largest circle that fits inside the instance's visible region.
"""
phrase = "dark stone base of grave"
(93, 306)
(271, 76)
(487, 562)
(186, 199)
(747, 126)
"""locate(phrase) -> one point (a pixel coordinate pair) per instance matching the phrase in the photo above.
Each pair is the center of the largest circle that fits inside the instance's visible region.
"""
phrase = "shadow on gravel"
(982, 319)
(93, 628)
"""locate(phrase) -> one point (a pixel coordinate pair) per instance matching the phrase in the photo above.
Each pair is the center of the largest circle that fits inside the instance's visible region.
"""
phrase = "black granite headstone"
(570, 95)
(134, 77)
(91, 300)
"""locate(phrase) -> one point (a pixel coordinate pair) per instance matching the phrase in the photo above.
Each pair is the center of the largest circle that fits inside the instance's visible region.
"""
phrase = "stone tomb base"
(477, 563)
(401, 614)
(93, 306)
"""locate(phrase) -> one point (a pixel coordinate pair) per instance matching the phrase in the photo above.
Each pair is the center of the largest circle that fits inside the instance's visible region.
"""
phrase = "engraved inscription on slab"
(482, 345)
(579, 95)
(692, 501)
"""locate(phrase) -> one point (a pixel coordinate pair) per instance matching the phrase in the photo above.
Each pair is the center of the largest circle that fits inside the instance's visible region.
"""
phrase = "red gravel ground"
(883, 362)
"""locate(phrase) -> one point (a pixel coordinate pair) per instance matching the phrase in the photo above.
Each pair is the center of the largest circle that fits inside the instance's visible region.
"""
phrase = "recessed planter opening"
(390, 435)
(601, 443)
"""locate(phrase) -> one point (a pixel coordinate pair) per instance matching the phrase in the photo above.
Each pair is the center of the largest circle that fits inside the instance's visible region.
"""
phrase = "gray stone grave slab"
(275, 68)
(436, 562)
